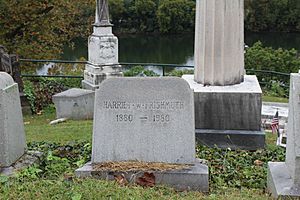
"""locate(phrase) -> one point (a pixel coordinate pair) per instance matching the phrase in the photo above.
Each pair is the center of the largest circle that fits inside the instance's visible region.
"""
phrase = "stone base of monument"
(194, 178)
(280, 183)
(77, 104)
(27, 160)
(231, 112)
(94, 75)
(234, 139)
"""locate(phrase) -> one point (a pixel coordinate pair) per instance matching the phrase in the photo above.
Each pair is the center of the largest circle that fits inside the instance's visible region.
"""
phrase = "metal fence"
(264, 76)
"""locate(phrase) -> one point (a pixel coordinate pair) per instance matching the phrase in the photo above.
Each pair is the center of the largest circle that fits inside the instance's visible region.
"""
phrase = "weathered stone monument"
(76, 104)
(12, 135)
(102, 50)
(284, 177)
(227, 102)
(147, 120)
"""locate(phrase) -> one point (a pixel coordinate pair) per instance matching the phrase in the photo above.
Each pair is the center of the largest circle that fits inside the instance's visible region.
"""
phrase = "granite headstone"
(12, 135)
(148, 120)
(145, 119)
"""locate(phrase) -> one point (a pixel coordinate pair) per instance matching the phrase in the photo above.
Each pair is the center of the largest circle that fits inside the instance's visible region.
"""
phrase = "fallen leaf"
(120, 179)
(258, 163)
(147, 180)
(26, 123)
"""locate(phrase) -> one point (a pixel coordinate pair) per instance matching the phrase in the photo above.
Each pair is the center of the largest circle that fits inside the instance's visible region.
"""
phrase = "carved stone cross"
(102, 13)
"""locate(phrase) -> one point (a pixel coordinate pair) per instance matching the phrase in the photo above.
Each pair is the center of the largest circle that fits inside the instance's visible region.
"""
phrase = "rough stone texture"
(75, 104)
(103, 48)
(224, 110)
(194, 178)
(28, 159)
(95, 74)
(280, 183)
(236, 107)
(219, 42)
(293, 134)
(12, 135)
(145, 119)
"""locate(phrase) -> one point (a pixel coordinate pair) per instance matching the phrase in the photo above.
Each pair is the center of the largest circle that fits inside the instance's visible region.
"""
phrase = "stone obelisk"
(102, 50)
(227, 102)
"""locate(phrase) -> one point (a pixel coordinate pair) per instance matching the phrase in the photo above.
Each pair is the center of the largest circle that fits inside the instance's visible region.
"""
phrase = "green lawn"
(275, 99)
(29, 186)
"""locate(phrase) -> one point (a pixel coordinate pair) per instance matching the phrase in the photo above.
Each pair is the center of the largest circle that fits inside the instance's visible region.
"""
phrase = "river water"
(175, 49)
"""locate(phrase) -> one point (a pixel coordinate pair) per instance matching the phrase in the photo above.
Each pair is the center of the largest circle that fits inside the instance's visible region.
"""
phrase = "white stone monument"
(227, 102)
(284, 178)
(102, 50)
(12, 135)
(148, 120)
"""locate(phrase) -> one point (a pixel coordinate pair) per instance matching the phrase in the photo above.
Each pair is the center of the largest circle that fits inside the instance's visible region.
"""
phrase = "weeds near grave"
(239, 169)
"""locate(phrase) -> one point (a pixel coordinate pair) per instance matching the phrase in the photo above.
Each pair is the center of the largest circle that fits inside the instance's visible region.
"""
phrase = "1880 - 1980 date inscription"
(158, 110)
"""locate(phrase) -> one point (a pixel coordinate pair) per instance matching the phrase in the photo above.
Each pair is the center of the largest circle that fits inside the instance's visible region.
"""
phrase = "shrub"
(139, 71)
(39, 92)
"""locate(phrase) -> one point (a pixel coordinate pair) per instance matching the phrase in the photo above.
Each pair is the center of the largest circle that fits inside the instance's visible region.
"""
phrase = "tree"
(145, 13)
(40, 29)
(176, 15)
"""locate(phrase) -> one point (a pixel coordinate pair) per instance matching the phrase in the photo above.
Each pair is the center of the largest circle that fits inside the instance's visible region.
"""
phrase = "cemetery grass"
(66, 146)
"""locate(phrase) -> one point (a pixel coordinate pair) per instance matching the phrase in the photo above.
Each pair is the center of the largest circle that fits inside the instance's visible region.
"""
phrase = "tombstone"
(75, 103)
(147, 120)
(227, 102)
(102, 50)
(12, 135)
(284, 177)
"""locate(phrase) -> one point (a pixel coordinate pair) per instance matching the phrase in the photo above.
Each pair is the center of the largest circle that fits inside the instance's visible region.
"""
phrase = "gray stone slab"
(222, 111)
(293, 130)
(145, 119)
(194, 178)
(28, 159)
(12, 134)
(280, 183)
(77, 104)
(269, 110)
(233, 139)
(236, 107)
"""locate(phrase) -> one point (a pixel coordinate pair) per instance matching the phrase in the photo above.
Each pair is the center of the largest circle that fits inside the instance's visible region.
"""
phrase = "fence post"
(10, 64)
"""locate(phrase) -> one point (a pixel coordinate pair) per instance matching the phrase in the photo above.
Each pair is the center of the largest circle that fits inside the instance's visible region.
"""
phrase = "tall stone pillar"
(102, 50)
(219, 42)
(227, 102)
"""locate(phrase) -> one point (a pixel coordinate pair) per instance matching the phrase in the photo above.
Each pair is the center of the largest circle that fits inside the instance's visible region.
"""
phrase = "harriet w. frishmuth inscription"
(144, 119)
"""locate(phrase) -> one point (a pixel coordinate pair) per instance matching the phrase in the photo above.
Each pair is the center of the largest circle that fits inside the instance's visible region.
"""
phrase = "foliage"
(39, 91)
(145, 13)
(139, 71)
(180, 73)
(117, 11)
(176, 15)
(259, 57)
(239, 168)
(39, 29)
(275, 15)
